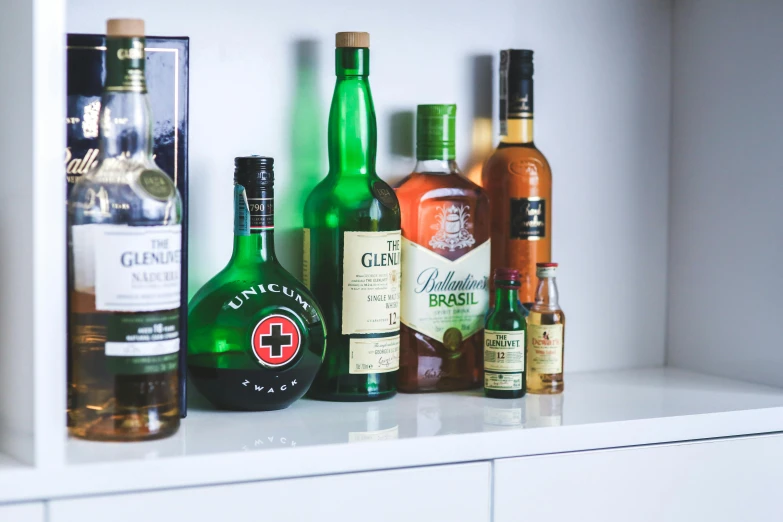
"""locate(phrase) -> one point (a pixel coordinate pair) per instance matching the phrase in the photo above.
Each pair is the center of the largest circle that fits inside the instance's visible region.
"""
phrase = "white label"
(503, 381)
(306, 257)
(545, 349)
(379, 355)
(114, 349)
(504, 351)
(371, 282)
(130, 269)
(440, 294)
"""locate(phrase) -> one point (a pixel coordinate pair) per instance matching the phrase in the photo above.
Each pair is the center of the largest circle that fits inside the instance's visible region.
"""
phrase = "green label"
(157, 184)
(142, 343)
(125, 65)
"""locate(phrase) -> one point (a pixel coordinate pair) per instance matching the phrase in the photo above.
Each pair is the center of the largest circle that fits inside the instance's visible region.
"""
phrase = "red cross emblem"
(276, 341)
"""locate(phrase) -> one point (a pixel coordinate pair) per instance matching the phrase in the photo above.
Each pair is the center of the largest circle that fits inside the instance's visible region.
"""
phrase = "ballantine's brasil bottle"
(256, 336)
(504, 340)
(125, 245)
(352, 243)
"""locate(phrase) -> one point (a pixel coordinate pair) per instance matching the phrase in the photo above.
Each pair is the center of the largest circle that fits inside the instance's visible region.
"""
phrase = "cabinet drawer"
(722, 480)
(458, 492)
(27, 512)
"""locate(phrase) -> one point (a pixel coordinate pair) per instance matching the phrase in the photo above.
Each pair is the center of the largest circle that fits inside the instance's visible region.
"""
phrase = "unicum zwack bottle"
(124, 283)
(256, 336)
(352, 243)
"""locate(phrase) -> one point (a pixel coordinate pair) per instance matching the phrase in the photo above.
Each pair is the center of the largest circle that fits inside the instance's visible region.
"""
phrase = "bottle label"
(142, 343)
(379, 355)
(444, 299)
(504, 351)
(129, 269)
(503, 381)
(528, 218)
(254, 211)
(516, 93)
(306, 257)
(545, 348)
(371, 282)
(125, 65)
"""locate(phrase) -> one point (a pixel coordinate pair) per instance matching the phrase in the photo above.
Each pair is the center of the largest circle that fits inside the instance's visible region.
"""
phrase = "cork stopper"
(125, 28)
(352, 40)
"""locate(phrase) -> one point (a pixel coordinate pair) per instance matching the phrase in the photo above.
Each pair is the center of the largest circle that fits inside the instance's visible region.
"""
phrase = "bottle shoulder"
(353, 203)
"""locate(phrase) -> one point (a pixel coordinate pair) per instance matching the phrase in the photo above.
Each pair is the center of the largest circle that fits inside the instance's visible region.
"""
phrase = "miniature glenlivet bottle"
(256, 336)
(504, 339)
(546, 335)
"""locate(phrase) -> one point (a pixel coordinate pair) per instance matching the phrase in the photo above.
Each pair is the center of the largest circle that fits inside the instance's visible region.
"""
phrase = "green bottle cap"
(435, 131)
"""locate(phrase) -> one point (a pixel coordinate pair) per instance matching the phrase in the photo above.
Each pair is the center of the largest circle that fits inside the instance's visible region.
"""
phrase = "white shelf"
(599, 410)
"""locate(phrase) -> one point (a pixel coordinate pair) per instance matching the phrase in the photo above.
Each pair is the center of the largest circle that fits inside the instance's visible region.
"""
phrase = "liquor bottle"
(518, 179)
(256, 336)
(546, 335)
(504, 340)
(445, 263)
(351, 256)
(125, 248)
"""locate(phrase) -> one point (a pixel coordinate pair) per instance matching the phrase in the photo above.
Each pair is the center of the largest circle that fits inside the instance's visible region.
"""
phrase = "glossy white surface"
(27, 512)
(598, 410)
(439, 493)
(716, 481)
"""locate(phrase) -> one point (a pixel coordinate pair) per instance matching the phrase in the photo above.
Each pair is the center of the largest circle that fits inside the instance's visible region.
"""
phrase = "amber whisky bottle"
(518, 179)
(545, 335)
(445, 263)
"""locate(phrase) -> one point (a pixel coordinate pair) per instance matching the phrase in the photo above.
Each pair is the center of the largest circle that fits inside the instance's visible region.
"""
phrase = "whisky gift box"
(167, 86)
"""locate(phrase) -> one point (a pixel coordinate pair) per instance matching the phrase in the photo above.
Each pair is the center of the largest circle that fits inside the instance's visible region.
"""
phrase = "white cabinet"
(456, 492)
(722, 480)
(27, 512)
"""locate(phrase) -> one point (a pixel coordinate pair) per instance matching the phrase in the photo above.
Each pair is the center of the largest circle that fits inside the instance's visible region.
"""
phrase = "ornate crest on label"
(452, 228)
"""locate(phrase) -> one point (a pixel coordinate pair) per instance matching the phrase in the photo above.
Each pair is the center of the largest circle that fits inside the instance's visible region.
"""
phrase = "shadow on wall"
(401, 132)
(482, 138)
(306, 149)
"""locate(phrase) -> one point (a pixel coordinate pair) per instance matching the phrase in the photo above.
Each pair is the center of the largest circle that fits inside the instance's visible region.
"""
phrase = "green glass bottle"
(351, 258)
(504, 339)
(255, 334)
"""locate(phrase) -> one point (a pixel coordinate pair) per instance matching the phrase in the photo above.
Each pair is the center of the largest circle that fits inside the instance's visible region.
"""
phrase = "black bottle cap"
(254, 169)
(517, 60)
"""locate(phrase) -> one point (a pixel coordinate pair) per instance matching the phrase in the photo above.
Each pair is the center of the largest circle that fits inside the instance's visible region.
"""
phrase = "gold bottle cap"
(352, 40)
(125, 27)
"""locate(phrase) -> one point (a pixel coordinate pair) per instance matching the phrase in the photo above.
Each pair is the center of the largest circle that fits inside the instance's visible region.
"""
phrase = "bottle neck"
(436, 166)
(506, 297)
(352, 127)
(125, 122)
(516, 107)
(546, 294)
(518, 131)
(254, 226)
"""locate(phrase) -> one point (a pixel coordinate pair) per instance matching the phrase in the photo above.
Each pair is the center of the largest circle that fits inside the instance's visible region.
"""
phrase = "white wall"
(726, 210)
(602, 101)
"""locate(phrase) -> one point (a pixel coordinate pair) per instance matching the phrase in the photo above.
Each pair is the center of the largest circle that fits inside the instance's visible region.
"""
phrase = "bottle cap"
(125, 28)
(519, 61)
(544, 270)
(435, 132)
(254, 169)
(352, 39)
(507, 274)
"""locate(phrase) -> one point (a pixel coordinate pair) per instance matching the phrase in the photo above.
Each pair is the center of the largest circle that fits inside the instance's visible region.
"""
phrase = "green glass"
(227, 315)
(351, 198)
(508, 315)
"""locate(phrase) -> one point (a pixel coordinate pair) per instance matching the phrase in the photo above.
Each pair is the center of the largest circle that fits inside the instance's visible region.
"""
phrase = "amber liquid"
(427, 364)
(106, 406)
(518, 170)
(546, 382)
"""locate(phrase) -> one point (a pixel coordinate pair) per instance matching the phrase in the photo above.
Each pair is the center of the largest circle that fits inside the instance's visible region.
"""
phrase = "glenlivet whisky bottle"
(256, 337)
(352, 243)
(445, 263)
(518, 179)
(504, 340)
(125, 246)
